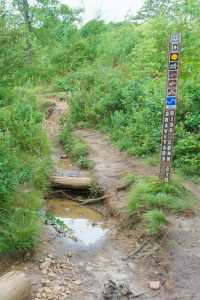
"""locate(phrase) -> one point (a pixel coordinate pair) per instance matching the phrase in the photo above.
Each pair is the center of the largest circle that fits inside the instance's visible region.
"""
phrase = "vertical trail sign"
(169, 116)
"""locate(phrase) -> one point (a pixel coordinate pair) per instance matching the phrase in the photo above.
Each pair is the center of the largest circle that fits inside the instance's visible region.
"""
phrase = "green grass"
(95, 188)
(85, 163)
(156, 222)
(150, 200)
(74, 144)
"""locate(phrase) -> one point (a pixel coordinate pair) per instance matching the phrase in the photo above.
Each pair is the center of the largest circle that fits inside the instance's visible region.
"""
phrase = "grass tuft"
(156, 222)
(73, 144)
(150, 199)
(152, 193)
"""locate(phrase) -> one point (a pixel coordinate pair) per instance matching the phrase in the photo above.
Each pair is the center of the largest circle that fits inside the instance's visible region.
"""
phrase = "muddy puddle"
(65, 165)
(88, 225)
(66, 168)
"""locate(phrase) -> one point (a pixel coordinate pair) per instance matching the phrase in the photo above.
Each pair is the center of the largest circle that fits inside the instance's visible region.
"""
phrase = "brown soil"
(175, 260)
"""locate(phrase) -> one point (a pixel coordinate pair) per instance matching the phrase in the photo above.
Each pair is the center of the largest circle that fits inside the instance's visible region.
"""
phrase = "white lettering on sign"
(175, 38)
(174, 47)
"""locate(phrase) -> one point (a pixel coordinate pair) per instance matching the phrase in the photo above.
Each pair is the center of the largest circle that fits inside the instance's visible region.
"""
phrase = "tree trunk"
(75, 183)
(15, 286)
(24, 9)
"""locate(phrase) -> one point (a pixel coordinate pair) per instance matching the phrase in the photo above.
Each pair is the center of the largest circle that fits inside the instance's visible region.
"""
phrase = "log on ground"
(15, 286)
(75, 183)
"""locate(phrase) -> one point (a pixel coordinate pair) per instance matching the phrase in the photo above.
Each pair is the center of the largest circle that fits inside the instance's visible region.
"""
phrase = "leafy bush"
(122, 90)
(24, 167)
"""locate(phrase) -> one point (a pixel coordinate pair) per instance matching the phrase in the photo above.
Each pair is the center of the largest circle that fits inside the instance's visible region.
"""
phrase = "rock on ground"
(15, 285)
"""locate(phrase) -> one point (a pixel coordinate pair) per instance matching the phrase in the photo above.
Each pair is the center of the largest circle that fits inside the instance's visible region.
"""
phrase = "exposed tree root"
(89, 201)
(103, 198)
(135, 252)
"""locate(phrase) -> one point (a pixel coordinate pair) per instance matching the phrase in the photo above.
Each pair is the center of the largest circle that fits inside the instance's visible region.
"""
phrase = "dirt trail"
(59, 269)
(177, 262)
(74, 272)
(111, 165)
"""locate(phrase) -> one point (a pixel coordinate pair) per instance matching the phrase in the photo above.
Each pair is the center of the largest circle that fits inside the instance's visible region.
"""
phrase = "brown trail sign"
(169, 116)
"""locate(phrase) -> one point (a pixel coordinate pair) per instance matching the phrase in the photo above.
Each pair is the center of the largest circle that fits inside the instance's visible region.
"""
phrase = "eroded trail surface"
(175, 261)
(63, 268)
(111, 165)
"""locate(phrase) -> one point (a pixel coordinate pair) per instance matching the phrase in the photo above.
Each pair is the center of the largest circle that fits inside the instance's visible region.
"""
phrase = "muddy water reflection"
(88, 225)
(66, 165)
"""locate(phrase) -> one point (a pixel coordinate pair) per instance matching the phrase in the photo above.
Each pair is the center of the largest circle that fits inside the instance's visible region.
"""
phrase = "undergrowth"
(74, 144)
(151, 200)
(24, 169)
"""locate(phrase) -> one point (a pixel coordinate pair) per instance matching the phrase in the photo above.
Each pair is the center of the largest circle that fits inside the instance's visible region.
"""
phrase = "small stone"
(44, 295)
(69, 253)
(52, 276)
(154, 285)
(47, 282)
(50, 256)
(47, 290)
(62, 289)
(56, 289)
(50, 297)
(47, 259)
(38, 295)
(44, 265)
(44, 272)
(78, 282)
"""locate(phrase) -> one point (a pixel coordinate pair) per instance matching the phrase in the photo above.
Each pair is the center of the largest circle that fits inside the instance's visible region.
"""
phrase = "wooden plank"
(75, 183)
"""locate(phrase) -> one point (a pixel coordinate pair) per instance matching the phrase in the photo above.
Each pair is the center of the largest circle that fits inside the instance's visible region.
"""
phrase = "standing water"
(87, 224)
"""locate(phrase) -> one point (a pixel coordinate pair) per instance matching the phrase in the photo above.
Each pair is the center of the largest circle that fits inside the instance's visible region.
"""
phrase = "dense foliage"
(24, 156)
(119, 84)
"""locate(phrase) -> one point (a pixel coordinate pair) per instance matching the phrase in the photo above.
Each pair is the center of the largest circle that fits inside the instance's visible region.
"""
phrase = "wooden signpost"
(169, 117)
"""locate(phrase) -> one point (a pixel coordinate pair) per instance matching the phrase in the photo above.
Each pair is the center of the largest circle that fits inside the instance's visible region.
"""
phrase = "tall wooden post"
(169, 117)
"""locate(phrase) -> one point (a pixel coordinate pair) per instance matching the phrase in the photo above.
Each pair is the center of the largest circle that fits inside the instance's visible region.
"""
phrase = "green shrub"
(24, 168)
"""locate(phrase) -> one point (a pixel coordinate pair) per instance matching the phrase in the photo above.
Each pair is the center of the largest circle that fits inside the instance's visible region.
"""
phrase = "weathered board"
(169, 117)
(75, 183)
